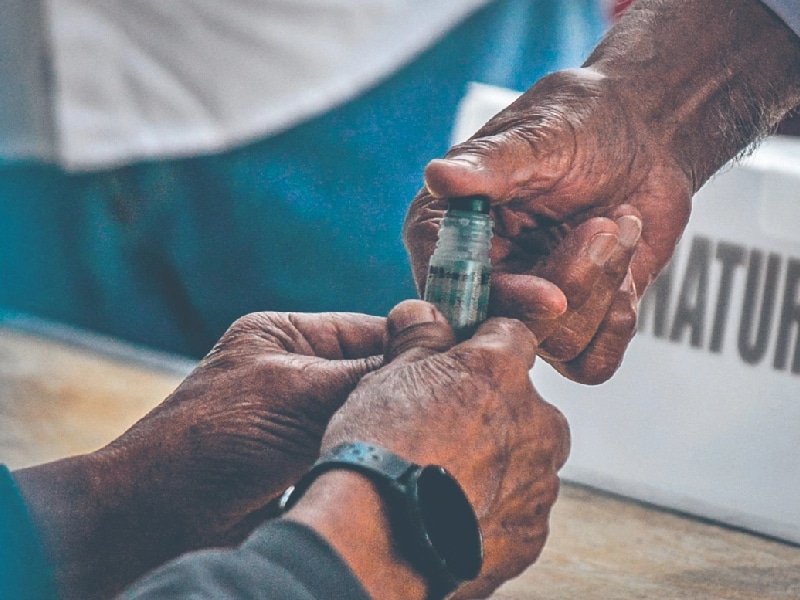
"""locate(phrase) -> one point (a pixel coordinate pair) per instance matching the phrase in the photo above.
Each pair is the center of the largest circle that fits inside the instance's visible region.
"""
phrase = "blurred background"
(168, 167)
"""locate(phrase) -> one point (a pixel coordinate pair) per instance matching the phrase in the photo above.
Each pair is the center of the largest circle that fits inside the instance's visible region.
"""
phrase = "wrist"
(706, 79)
(347, 509)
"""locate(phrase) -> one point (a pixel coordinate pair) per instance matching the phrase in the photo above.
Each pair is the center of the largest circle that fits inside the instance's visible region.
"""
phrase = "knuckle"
(564, 344)
(563, 436)
(593, 368)
(557, 440)
(622, 319)
(505, 344)
(244, 323)
(516, 331)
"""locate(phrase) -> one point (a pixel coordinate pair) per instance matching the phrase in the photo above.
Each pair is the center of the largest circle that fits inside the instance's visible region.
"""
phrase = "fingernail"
(410, 313)
(601, 246)
(630, 228)
(536, 312)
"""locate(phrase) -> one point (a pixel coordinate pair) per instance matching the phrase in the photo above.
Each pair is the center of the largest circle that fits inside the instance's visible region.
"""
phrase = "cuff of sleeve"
(302, 552)
(24, 571)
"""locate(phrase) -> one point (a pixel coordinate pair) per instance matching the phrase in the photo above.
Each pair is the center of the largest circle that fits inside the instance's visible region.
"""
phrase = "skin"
(591, 174)
(636, 131)
(201, 469)
(470, 408)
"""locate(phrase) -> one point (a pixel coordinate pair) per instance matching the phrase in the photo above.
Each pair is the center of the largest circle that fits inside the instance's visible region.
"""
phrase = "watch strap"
(396, 480)
(375, 462)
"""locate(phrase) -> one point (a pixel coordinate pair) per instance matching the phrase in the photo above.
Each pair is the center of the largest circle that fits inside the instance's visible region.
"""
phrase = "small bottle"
(459, 271)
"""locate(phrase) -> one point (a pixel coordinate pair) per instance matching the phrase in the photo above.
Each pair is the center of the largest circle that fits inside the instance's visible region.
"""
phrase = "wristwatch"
(431, 518)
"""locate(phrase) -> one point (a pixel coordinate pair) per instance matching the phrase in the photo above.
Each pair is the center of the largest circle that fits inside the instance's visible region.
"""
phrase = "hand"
(249, 420)
(562, 153)
(636, 131)
(567, 255)
(198, 470)
(472, 409)
(567, 172)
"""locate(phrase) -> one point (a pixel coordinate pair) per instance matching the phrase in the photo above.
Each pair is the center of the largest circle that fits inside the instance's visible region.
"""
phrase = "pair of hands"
(203, 467)
(590, 174)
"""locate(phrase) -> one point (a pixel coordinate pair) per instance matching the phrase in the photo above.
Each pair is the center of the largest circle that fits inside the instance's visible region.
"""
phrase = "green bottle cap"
(479, 204)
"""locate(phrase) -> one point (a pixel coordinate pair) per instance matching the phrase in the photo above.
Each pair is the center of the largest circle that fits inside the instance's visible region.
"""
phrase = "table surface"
(59, 398)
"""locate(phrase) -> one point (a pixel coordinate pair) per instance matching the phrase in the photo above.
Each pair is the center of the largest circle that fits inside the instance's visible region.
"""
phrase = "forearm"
(96, 534)
(706, 77)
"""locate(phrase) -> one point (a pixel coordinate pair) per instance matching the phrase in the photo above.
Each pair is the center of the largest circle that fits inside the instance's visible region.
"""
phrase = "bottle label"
(460, 290)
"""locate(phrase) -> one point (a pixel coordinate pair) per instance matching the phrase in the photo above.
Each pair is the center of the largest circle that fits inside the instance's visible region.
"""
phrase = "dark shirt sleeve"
(280, 560)
(24, 571)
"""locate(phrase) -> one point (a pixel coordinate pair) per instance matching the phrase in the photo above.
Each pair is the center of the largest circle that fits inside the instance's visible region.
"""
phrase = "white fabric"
(154, 78)
(26, 124)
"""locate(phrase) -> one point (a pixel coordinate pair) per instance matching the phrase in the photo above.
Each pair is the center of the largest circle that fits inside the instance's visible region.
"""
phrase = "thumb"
(460, 175)
(487, 165)
(330, 382)
(416, 330)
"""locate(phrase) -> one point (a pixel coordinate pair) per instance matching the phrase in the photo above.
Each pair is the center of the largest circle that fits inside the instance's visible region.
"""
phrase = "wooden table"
(63, 393)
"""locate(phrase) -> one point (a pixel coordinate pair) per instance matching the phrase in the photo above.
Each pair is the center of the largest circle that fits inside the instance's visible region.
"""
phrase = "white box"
(704, 415)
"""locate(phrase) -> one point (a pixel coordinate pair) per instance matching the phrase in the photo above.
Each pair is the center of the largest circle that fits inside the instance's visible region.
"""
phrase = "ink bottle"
(460, 268)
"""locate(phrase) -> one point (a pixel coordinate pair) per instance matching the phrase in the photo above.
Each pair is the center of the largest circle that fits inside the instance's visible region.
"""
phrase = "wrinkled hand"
(248, 421)
(200, 469)
(472, 409)
(563, 165)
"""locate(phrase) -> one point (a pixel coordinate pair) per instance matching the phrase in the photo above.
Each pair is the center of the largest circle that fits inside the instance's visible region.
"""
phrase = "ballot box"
(703, 417)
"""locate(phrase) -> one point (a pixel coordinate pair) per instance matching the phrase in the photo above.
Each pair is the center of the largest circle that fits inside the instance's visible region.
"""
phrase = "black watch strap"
(443, 543)
(377, 463)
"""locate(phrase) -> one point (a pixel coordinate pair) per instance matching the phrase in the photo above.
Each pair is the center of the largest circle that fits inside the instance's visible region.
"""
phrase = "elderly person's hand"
(199, 469)
(635, 132)
(573, 289)
(470, 408)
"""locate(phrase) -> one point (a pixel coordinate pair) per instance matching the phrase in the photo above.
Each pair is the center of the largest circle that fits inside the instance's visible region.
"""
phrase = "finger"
(495, 166)
(502, 340)
(420, 233)
(666, 212)
(592, 295)
(416, 330)
(569, 276)
(460, 175)
(580, 259)
(340, 336)
(525, 297)
(603, 355)
(329, 383)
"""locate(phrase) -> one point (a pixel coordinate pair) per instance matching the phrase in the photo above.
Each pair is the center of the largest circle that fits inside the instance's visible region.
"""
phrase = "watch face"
(449, 522)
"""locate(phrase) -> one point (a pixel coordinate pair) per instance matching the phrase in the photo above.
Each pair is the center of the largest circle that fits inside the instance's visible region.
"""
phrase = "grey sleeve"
(281, 560)
(788, 10)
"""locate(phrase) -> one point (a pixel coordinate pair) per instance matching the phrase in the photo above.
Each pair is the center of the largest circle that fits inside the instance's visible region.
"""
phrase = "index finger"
(340, 336)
